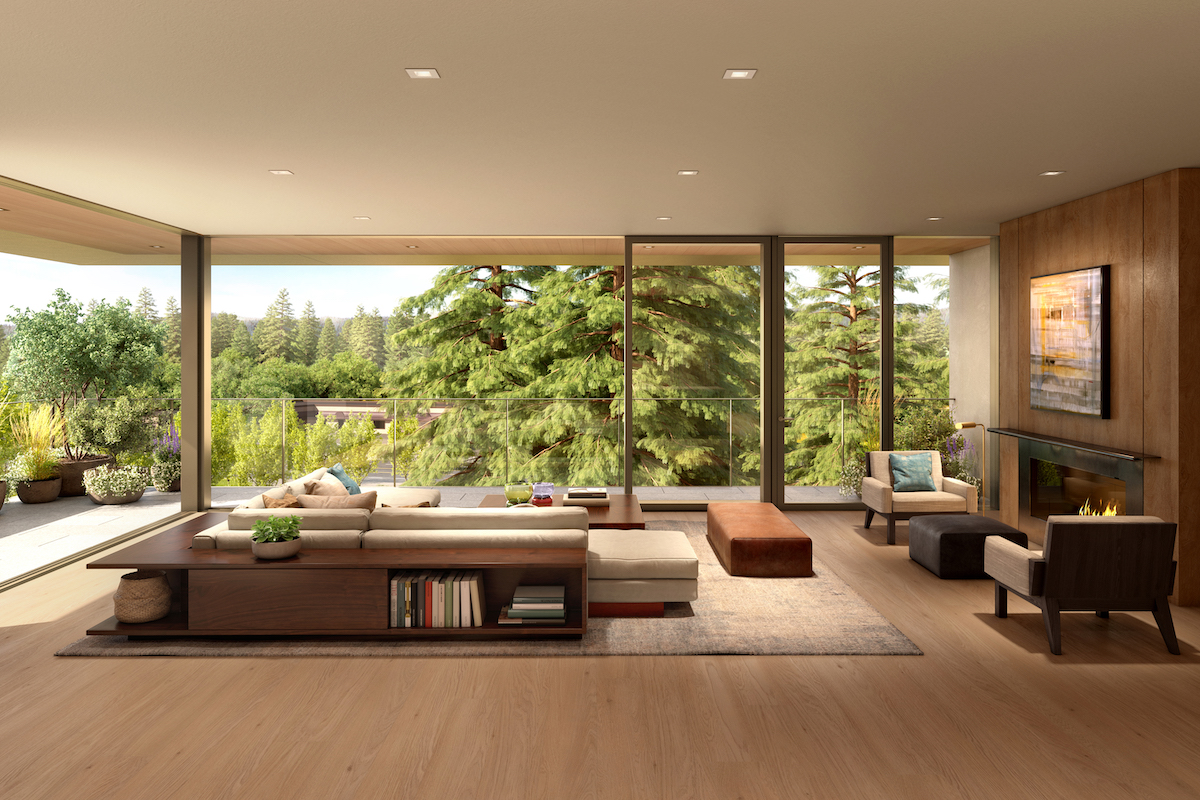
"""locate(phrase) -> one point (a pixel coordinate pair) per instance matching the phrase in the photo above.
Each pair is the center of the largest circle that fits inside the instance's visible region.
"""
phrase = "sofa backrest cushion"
(329, 519)
(475, 537)
(362, 500)
(295, 487)
(494, 519)
(406, 497)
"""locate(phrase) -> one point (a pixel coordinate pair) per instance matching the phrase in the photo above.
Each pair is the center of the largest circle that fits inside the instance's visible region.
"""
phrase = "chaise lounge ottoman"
(631, 573)
(757, 540)
(951, 545)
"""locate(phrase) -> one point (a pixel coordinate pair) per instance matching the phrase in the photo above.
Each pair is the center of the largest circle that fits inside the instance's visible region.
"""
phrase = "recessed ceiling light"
(934, 219)
(362, 218)
(858, 247)
(1050, 173)
(411, 246)
(648, 246)
(426, 73)
(739, 74)
(662, 219)
(3, 209)
(157, 246)
(689, 172)
(281, 172)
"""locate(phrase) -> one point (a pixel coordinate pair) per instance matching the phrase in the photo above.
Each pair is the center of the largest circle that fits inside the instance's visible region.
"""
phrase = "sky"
(335, 291)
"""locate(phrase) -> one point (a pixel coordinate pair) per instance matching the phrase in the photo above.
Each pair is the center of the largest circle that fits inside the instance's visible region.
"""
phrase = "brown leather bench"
(757, 540)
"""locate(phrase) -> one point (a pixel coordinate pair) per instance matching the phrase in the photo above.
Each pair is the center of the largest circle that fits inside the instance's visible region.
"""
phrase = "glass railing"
(677, 442)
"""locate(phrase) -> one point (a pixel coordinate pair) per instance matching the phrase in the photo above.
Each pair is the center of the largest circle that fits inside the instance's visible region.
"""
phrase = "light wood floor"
(986, 712)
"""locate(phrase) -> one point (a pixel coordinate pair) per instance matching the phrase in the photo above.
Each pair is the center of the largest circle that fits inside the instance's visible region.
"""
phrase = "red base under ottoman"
(757, 540)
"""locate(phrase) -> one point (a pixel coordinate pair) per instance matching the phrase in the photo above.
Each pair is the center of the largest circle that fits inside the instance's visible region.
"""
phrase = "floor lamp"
(982, 455)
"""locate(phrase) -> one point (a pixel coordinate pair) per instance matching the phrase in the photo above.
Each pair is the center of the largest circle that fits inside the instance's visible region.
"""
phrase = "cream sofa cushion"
(428, 519)
(295, 487)
(640, 554)
(364, 500)
(397, 496)
(329, 519)
(221, 537)
(441, 538)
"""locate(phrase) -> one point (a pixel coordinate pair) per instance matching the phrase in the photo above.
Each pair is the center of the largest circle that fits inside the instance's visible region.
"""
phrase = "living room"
(986, 710)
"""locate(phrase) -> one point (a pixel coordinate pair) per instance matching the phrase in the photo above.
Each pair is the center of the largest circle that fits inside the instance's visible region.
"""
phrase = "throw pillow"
(362, 500)
(912, 472)
(339, 472)
(326, 488)
(287, 501)
(422, 504)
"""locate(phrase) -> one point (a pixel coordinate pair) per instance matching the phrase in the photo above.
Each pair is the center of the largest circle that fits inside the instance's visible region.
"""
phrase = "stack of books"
(578, 496)
(535, 605)
(437, 599)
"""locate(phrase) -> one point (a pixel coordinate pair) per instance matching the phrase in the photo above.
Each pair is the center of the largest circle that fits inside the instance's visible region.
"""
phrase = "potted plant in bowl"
(167, 468)
(109, 485)
(35, 468)
(276, 537)
(97, 431)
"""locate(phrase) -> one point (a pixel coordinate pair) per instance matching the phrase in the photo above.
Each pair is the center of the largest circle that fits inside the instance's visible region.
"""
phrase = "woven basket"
(143, 596)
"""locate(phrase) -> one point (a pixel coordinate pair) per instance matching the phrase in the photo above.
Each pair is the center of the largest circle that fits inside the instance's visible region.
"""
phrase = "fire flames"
(1109, 510)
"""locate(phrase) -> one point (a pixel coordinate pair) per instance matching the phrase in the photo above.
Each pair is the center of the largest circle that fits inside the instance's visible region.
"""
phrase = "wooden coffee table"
(622, 511)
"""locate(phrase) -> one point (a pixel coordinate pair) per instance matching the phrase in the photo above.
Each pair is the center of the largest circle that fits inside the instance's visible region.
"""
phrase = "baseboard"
(625, 609)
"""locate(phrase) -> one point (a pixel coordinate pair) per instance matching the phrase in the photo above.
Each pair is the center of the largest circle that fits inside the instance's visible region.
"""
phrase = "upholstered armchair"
(1099, 564)
(941, 495)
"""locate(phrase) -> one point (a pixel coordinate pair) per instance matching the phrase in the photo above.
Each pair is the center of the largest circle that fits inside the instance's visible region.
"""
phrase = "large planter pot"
(143, 596)
(72, 474)
(39, 491)
(116, 499)
(275, 549)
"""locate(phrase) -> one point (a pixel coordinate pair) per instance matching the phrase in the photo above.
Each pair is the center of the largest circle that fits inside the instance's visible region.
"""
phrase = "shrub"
(114, 481)
(164, 473)
(117, 427)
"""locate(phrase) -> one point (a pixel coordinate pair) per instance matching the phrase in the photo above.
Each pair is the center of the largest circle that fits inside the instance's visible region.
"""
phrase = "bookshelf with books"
(347, 592)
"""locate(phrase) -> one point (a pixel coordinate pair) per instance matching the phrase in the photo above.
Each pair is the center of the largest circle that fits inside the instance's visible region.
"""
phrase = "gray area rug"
(820, 615)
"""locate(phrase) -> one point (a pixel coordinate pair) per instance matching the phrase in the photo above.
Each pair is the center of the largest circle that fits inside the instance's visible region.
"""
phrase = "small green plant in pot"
(276, 537)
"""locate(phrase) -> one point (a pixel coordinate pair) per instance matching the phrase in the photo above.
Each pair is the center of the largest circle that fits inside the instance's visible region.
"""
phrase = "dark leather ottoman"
(757, 540)
(951, 545)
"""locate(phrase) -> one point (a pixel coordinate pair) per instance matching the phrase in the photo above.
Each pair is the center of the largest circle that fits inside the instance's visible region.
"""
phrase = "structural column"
(196, 381)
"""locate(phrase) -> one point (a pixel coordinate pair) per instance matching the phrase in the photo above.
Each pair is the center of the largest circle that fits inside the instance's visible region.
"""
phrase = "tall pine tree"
(172, 325)
(273, 335)
(145, 307)
(308, 333)
(223, 328)
(242, 341)
(366, 336)
(330, 342)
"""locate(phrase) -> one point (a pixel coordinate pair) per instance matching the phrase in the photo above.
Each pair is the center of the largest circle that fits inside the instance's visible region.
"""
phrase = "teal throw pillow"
(912, 472)
(338, 472)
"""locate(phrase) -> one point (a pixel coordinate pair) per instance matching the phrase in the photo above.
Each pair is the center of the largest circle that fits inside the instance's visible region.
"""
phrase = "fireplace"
(1059, 489)
(1057, 476)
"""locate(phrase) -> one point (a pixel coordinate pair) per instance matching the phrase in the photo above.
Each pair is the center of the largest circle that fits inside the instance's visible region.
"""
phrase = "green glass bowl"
(518, 492)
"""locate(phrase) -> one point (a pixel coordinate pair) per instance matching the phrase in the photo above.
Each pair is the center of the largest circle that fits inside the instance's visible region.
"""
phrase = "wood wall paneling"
(1105, 228)
(1187, 345)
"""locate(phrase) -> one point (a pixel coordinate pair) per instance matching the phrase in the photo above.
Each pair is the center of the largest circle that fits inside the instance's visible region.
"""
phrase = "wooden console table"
(331, 592)
(623, 511)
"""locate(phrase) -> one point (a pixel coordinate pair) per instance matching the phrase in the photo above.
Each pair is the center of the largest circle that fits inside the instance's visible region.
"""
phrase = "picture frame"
(1069, 342)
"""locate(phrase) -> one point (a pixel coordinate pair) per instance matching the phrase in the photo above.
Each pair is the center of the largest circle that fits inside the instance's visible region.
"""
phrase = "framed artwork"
(1068, 342)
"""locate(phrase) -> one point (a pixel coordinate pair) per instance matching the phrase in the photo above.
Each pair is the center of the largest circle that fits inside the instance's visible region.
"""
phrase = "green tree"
(242, 342)
(146, 309)
(3, 349)
(396, 354)
(505, 333)
(224, 325)
(172, 326)
(58, 354)
(274, 333)
(308, 333)
(330, 343)
(366, 336)
(346, 375)
(258, 443)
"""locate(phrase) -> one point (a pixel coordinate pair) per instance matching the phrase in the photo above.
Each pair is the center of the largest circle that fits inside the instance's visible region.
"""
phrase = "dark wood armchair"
(1099, 564)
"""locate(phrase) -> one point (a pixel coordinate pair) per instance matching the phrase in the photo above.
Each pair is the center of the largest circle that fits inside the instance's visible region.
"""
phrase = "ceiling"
(572, 119)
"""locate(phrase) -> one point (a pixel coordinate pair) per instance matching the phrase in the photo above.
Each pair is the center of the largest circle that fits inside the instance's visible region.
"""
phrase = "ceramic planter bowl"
(116, 499)
(39, 491)
(275, 549)
(72, 474)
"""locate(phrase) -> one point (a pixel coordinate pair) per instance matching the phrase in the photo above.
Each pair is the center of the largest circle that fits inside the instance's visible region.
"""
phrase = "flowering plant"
(960, 460)
(166, 449)
(108, 481)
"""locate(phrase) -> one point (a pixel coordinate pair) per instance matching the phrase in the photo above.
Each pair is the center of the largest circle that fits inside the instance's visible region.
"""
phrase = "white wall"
(974, 356)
